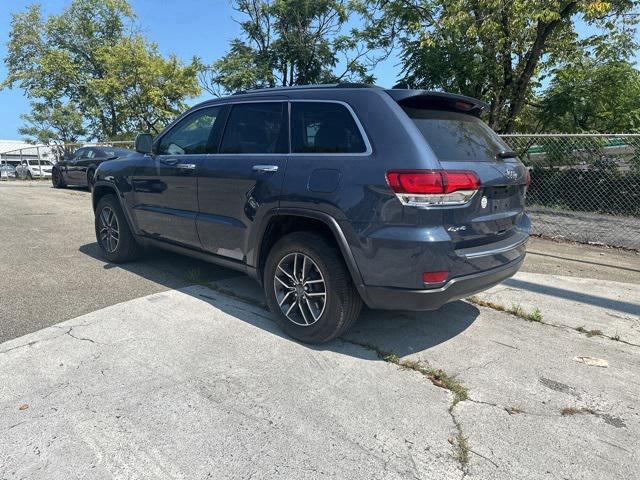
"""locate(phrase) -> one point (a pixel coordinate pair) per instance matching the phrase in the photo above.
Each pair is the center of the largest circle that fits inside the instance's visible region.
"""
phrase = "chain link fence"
(584, 188)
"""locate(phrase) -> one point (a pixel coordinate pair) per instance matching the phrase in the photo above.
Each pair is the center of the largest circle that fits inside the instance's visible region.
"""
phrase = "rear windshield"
(457, 137)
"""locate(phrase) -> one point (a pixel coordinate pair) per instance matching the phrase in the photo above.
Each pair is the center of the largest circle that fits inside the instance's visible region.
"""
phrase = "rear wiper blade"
(506, 154)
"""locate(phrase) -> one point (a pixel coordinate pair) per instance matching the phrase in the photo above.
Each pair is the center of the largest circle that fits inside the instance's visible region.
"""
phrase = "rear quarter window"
(457, 137)
(324, 127)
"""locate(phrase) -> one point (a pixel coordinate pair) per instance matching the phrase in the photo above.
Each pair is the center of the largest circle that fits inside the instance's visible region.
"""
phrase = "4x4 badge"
(511, 174)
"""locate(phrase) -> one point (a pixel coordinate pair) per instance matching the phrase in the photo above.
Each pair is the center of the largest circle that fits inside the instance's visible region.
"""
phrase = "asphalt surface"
(51, 268)
(176, 381)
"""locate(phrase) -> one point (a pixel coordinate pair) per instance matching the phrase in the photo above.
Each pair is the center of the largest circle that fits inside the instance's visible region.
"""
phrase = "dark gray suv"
(330, 196)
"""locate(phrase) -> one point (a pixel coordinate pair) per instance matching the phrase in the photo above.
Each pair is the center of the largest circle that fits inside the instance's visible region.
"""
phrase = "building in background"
(18, 150)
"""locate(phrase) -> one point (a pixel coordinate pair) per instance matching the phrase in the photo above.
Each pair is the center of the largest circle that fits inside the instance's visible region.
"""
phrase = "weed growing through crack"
(460, 443)
(575, 411)
(592, 333)
(195, 276)
(515, 309)
(441, 379)
(536, 315)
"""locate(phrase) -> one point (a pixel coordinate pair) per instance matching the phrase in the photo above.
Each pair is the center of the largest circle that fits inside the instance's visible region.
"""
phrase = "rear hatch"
(460, 140)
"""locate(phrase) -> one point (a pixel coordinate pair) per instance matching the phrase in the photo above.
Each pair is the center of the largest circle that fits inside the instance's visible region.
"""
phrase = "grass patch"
(461, 445)
(534, 316)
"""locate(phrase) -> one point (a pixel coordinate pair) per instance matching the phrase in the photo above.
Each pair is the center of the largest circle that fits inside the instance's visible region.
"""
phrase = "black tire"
(29, 176)
(57, 180)
(126, 248)
(342, 301)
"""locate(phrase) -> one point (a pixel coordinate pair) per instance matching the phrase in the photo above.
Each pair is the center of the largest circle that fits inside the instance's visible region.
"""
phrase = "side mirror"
(144, 143)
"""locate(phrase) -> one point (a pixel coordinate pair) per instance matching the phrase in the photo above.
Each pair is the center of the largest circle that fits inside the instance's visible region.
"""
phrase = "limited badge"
(484, 202)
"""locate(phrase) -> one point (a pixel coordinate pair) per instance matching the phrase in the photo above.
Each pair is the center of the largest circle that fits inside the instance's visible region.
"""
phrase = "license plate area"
(501, 199)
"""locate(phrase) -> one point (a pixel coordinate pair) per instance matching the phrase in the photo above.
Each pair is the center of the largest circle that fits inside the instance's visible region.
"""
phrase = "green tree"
(497, 50)
(91, 58)
(290, 42)
(591, 96)
(53, 123)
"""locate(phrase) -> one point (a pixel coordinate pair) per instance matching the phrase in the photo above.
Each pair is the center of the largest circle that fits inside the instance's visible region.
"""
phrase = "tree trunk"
(532, 59)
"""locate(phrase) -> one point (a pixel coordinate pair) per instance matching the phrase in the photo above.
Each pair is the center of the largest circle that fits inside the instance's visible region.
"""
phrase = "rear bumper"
(388, 298)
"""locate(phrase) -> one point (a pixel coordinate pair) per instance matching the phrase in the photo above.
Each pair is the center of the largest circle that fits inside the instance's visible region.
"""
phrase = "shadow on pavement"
(403, 333)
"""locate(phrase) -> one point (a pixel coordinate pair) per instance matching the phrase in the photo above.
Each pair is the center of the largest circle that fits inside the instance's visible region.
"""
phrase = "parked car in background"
(34, 169)
(7, 170)
(79, 169)
(330, 196)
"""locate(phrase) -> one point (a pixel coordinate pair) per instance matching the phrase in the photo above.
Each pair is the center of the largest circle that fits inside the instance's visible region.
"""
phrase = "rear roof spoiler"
(437, 101)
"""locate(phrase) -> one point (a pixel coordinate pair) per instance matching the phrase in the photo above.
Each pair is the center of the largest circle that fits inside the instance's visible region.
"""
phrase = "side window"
(318, 127)
(192, 135)
(256, 128)
(79, 154)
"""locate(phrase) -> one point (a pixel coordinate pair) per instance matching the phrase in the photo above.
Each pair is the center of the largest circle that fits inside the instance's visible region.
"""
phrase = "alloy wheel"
(109, 232)
(300, 289)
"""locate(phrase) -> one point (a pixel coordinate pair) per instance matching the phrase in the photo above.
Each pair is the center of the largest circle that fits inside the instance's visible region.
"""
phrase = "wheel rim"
(300, 289)
(108, 232)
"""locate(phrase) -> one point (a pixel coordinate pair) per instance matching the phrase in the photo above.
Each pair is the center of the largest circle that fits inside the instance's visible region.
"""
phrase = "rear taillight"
(527, 177)
(433, 187)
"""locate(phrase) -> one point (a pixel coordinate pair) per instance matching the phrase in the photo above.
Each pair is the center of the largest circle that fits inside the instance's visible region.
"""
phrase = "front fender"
(105, 187)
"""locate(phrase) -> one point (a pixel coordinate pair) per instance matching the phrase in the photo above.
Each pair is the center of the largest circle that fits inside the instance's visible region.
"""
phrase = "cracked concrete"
(610, 307)
(196, 383)
(166, 371)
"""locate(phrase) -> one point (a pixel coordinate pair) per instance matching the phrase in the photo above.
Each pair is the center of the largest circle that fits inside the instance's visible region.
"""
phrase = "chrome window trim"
(368, 149)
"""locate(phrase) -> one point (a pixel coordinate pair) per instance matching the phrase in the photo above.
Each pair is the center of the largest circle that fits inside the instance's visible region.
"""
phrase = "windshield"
(116, 152)
(457, 137)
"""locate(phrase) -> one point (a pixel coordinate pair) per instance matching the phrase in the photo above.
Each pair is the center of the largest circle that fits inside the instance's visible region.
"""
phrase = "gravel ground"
(587, 227)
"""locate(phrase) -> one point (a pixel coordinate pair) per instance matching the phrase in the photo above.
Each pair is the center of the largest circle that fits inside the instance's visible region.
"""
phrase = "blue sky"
(186, 28)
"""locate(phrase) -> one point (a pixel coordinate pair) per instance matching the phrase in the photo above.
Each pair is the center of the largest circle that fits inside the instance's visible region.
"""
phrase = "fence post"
(39, 165)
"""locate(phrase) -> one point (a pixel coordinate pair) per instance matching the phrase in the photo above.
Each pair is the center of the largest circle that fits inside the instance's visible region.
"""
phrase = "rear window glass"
(457, 137)
(318, 127)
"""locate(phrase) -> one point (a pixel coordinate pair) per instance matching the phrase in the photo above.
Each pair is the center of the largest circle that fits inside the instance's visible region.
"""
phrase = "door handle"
(169, 161)
(186, 166)
(265, 168)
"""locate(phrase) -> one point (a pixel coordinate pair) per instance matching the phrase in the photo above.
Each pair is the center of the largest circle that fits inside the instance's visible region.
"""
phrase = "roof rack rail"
(305, 87)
